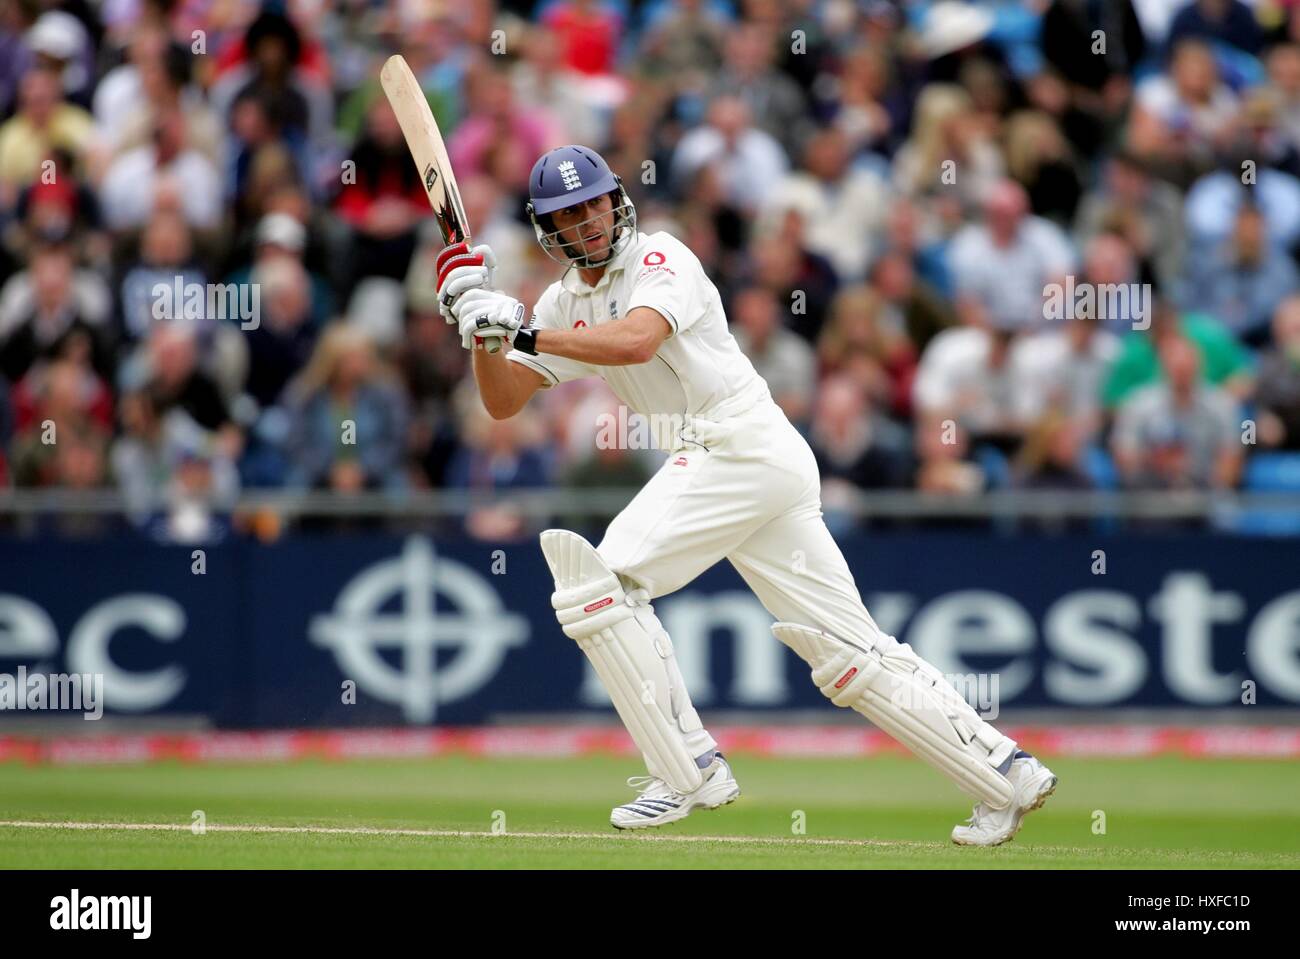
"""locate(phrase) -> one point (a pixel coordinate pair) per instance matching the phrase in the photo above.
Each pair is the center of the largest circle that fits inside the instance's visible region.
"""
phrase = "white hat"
(377, 309)
(57, 34)
(282, 230)
(951, 25)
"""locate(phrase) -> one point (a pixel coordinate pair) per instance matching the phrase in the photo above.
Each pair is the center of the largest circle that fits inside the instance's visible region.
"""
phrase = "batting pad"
(631, 654)
(913, 702)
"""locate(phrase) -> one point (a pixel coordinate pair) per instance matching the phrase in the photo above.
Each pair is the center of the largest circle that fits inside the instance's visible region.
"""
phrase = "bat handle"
(492, 344)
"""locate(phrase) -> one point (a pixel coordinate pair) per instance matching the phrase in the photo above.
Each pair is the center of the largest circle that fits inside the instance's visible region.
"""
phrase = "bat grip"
(492, 344)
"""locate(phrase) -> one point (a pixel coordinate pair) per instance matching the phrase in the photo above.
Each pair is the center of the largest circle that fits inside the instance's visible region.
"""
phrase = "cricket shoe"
(659, 803)
(1033, 783)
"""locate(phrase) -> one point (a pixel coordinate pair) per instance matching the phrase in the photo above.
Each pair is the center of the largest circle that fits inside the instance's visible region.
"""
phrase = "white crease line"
(458, 834)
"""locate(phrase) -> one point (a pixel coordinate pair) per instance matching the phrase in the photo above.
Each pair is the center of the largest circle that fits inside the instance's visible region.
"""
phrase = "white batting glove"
(484, 313)
(460, 269)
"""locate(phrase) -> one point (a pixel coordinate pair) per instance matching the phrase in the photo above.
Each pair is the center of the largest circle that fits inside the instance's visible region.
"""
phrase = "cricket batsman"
(739, 482)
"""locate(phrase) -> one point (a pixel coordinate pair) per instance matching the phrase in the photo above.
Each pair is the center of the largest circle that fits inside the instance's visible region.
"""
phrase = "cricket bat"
(424, 141)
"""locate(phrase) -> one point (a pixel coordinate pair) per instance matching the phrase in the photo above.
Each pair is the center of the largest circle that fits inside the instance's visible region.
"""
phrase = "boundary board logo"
(477, 628)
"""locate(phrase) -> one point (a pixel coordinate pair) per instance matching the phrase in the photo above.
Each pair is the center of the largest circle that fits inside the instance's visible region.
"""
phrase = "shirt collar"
(573, 283)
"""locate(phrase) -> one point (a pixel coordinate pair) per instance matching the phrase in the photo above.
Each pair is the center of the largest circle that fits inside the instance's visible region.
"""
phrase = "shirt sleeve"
(1229, 427)
(1126, 437)
(663, 280)
(554, 369)
(932, 389)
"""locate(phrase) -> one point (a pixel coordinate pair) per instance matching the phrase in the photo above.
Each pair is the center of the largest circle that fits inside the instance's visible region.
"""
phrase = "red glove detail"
(453, 256)
(456, 249)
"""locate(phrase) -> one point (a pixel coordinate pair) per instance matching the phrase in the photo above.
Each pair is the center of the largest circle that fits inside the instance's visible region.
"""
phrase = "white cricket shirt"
(699, 370)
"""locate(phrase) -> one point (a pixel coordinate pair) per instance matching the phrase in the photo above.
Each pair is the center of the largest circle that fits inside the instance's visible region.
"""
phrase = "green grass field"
(859, 813)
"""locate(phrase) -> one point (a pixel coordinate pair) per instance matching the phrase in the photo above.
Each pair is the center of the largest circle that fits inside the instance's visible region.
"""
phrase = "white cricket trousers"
(746, 488)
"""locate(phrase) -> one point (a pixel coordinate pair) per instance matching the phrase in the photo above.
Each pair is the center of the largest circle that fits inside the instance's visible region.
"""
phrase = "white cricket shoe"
(1033, 783)
(659, 803)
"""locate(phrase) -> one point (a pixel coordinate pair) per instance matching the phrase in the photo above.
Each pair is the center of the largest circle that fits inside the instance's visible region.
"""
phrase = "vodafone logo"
(680, 461)
(654, 258)
(580, 324)
(846, 677)
(600, 603)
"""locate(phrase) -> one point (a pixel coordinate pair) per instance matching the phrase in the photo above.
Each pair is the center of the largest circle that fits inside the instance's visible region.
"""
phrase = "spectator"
(1145, 211)
(46, 306)
(281, 344)
(1179, 433)
(1040, 159)
(1213, 202)
(1181, 119)
(15, 54)
(1243, 281)
(1052, 456)
(544, 83)
(865, 337)
(64, 443)
(945, 138)
(166, 252)
(745, 160)
(163, 86)
(282, 235)
(924, 312)
(1095, 75)
(1260, 138)
(121, 90)
(966, 384)
(1226, 21)
(499, 137)
(61, 44)
(870, 109)
(1277, 396)
(44, 123)
(166, 367)
(349, 428)
(1059, 375)
(277, 75)
(1121, 302)
(59, 208)
(1223, 361)
(854, 442)
(589, 33)
(923, 242)
(174, 475)
(780, 356)
(842, 206)
(684, 45)
(774, 100)
(1001, 266)
(498, 456)
(166, 174)
(1284, 82)
(942, 465)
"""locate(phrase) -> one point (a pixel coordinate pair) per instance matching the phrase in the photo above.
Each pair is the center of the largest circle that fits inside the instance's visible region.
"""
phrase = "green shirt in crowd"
(1222, 357)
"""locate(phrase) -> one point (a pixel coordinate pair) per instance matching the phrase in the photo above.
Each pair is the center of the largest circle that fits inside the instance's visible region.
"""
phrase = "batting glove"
(460, 269)
(483, 313)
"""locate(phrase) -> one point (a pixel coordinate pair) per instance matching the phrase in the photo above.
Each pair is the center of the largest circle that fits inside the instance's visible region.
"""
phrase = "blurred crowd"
(882, 192)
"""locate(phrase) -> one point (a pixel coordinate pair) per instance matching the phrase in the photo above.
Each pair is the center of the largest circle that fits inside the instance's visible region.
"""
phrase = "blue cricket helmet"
(567, 176)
